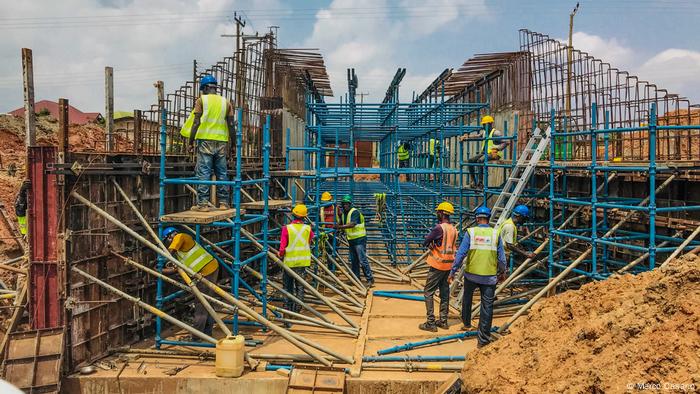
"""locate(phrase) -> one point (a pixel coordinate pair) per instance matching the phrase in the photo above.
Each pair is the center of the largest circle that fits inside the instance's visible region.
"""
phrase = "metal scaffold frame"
(236, 224)
(406, 206)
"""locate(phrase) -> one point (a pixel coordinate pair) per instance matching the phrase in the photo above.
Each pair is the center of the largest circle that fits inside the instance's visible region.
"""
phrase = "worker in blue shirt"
(482, 247)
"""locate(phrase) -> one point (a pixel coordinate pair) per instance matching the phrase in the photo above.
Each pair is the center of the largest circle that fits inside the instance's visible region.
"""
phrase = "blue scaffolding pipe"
(400, 296)
(428, 342)
(416, 358)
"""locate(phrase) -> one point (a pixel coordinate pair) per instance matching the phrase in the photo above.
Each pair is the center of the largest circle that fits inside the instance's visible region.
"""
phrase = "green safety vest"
(22, 222)
(491, 145)
(403, 153)
(298, 251)
(432, 145)
(195, 258)
(482, 257)
(212, 124)
(359, 230)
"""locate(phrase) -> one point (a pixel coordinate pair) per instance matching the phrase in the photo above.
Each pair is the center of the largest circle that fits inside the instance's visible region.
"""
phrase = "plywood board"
(271, 204)
(198, 217)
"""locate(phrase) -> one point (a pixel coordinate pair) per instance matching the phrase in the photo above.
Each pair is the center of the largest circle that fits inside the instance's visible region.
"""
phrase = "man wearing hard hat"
(442, 241)
(295, 252)
(492, 146)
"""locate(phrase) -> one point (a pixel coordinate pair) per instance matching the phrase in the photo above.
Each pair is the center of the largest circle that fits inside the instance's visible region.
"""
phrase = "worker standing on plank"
(295, 252)
(509, 231)
(353, 222)
(493, 147)
(211, 125)
(404, 156)
(485, 266)
(442, 241)
(21, 206)
(190, 253)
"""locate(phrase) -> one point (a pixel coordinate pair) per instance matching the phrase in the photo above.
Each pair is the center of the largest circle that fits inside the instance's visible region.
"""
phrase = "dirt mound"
(610, 336)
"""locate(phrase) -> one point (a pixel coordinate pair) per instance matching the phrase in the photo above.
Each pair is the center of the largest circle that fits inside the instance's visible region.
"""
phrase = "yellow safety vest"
(212, 124)
(195, 258)
(359, 230)
(482, 257)
(515, 229)
(433, 144)
(490, 144)
(22, 222)
(403, 153)
(298, 251)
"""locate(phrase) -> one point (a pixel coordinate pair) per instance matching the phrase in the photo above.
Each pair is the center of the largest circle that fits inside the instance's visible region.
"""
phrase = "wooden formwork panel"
(33, 360)
(306, 379)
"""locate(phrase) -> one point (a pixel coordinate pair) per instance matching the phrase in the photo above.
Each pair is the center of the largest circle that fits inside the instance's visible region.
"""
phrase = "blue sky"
(146, 40)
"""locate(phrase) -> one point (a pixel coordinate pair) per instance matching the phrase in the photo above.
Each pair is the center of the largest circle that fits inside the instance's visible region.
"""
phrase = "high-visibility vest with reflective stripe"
(22, 222)
(441, 257)
(298, 251)
(433, 144)
(510, 222)
(491, 145)
(359, 230)
(403, 153)
(212, 124)
(482, 257)
(195, 258)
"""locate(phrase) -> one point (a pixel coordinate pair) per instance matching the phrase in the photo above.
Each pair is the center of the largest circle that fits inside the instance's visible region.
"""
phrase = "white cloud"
(144, 40)
(609, 50)
(379, 33)
(677, 70)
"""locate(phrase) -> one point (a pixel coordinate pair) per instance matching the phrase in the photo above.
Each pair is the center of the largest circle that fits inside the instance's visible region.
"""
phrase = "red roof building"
(75, 116)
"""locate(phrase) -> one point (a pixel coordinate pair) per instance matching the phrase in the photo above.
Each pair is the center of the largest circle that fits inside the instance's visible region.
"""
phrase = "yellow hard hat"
(300, 210)
(326, 196)
(446, 207)
(487, 119)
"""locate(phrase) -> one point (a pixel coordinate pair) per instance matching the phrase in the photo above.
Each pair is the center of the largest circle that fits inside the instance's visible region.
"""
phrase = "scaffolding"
(235, 223)
(398, 202)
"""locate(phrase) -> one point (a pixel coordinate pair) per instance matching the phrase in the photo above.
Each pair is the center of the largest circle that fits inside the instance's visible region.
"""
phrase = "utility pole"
(109, 108)
(569, 64)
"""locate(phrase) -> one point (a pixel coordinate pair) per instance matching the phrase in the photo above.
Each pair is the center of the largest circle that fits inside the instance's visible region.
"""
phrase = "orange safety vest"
(441, 257)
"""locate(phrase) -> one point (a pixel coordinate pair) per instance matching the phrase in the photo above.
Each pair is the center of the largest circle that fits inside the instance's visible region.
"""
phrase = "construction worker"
(493, 147)
(21, 205)
(353, 222)
(404, 155)
(190, 253)
(485, 266)
(211, 125)
(442, 241)
(433, 152)
(509, 231)
(295, 252)
(328, 212)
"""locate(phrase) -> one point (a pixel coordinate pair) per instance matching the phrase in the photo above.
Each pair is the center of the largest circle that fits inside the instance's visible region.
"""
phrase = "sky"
(148, 40)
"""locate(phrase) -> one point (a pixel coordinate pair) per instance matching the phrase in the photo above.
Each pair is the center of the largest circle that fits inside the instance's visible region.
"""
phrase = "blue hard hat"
(168, 230)
(521, 210)
(483, 211)
(207, 80)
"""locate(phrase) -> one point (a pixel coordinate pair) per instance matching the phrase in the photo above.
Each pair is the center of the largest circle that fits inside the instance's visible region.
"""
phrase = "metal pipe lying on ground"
(427, 342)
(343, 266)
(374, 359)
(321, 323)
(415, 367)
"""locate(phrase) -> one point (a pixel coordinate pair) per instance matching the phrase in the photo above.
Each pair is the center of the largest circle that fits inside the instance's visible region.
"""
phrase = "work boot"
(370, 284)
(223, 206)
(428, 327)
(442, 324)
(479, 345)
(466, 327)
(200, 208)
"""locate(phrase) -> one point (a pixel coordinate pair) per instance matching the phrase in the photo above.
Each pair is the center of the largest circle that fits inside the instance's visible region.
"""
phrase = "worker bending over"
(21, 206)
(509, 231)
(485, 266)
(211, 125)
(493, 147)
(442, 241)
(295, 252)
(186, 250)
(353, 222)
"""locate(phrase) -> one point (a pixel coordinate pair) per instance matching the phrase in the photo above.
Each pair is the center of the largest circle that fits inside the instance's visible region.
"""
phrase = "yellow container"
(229, 356)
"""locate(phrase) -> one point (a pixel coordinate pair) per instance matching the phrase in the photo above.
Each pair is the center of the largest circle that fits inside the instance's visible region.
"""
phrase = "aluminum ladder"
(519, 177)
